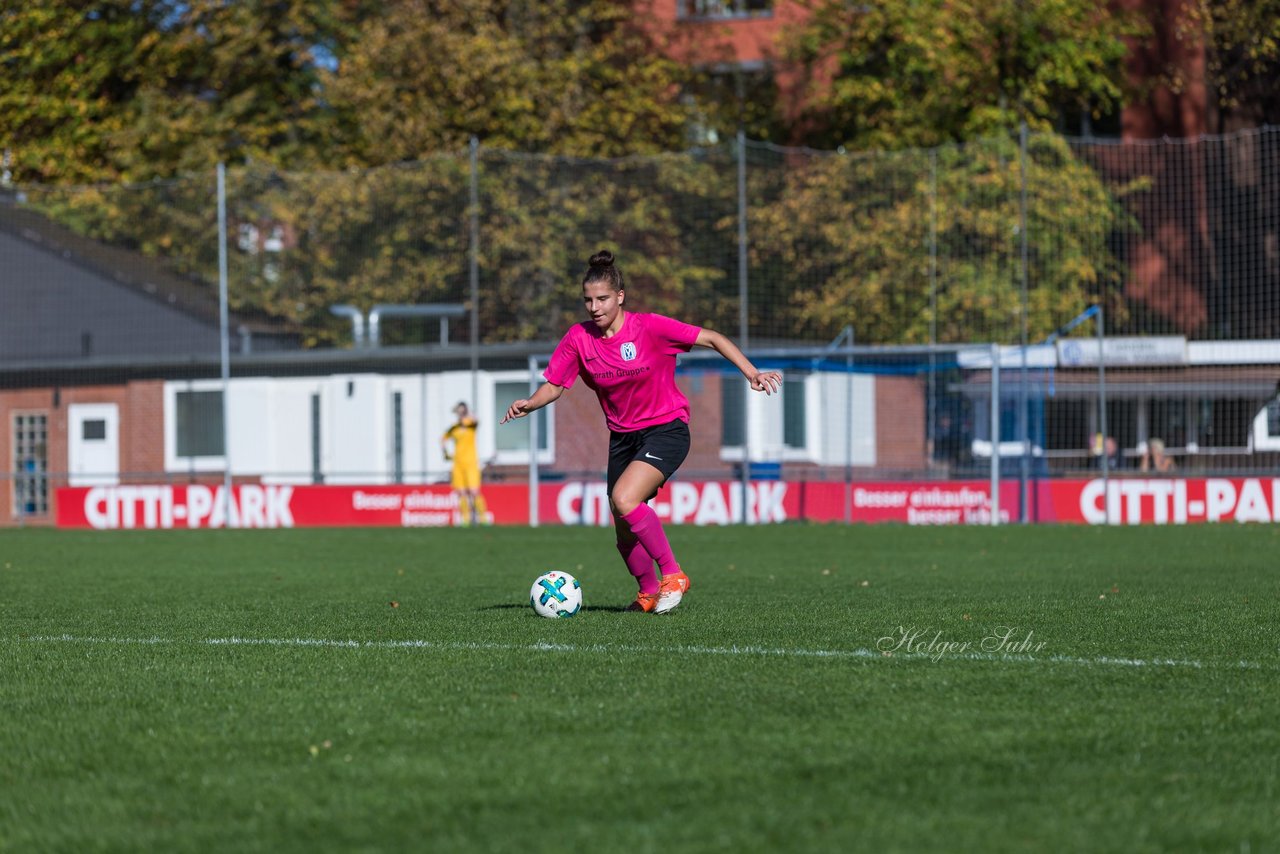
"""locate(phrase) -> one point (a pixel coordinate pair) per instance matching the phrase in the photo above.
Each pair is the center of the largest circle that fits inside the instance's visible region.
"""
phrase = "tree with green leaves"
(1243, 37)
(903, 73)
(71, 79)
(235, 82)
(137, 89)
(399, 234)
(575, 77)
(923, 246)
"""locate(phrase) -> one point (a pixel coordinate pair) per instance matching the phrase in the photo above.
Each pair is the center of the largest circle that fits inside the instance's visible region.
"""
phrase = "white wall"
(836, 424)
(354, 429)
(271, 427)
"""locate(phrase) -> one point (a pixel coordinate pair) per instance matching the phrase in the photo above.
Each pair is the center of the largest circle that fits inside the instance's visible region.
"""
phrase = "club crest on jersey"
(629, 352)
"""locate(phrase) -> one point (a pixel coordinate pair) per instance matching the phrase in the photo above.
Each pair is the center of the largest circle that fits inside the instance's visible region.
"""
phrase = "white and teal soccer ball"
(556, 594)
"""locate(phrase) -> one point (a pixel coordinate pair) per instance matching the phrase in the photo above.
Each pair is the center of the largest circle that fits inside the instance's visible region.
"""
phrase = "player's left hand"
(768, 382)
(518, 409)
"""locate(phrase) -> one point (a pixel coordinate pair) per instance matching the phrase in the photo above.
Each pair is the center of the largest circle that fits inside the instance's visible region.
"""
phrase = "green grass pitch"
(194, 691)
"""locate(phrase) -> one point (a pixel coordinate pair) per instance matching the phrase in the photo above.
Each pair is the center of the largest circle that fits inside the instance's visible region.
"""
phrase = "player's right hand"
(516, 410)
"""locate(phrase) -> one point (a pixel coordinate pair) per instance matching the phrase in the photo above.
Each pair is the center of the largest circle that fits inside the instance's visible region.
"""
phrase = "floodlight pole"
(224, 335)
(743, 326)
(533, 446)
(1096, 312)
(932, 416)
(995, 434)
(1102, 411)
(474, 275)
(846, 338)
(1024, 466)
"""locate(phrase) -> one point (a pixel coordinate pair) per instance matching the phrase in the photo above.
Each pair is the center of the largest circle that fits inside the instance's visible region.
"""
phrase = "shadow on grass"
(507, 606)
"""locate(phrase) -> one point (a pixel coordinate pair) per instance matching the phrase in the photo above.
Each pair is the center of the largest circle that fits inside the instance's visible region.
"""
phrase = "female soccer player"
(459, 445)
(629, 359)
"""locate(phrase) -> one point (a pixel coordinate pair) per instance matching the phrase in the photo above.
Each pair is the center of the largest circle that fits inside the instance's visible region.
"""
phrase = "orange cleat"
(645, 602)
(673, 588)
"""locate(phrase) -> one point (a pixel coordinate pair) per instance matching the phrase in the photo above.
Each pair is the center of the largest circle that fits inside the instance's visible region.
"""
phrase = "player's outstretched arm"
(548, 393)
(765, 381)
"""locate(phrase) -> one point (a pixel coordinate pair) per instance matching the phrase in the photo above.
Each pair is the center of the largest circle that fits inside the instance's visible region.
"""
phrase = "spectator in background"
(948, 443)
(459, 445)
(1106, 448)
(1154, 459)
(1111, 449)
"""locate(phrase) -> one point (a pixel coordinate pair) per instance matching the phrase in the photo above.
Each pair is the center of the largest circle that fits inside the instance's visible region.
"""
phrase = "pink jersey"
(633, 372)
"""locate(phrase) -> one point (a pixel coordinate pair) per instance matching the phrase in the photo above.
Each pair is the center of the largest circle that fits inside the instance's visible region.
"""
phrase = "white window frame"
(173, 462)
(719, 10)
(1261, 438)
(517, 458)
(766, 415)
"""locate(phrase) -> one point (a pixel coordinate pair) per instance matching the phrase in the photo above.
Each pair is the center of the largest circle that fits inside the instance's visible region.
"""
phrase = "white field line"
(543, 646)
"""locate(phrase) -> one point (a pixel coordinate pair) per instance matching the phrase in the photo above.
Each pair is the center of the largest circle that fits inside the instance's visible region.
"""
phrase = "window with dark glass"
(793, 413)
(725, 8)
(1167, 420)
(1230, 420)
(515, 437)
(732, 415)
(199, 424)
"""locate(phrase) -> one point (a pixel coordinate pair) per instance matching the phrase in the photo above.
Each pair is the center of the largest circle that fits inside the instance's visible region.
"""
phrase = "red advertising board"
(1131, 501)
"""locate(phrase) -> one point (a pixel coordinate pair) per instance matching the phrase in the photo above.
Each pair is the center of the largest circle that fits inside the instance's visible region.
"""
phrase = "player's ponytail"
(602, 269)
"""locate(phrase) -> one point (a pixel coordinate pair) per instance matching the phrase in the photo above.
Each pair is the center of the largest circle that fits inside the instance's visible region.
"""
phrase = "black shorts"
(663, 446)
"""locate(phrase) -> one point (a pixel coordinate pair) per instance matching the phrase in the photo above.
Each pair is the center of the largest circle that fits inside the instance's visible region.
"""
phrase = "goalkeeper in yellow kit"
(459, 445)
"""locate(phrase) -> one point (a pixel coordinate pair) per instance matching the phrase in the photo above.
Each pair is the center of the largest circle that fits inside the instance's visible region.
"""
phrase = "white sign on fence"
(1146, 350)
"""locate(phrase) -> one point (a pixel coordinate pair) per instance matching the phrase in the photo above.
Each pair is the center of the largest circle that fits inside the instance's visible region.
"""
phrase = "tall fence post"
(743, 326)
(1024, 468)
(224, 342)
(848, 430)
(846, 338)
(995, 434)
(1102, 413)
(474, 273)
(932, 414)
(533, 446)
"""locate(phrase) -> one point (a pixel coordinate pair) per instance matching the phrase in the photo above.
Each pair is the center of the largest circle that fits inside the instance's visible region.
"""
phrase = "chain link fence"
(362, 305)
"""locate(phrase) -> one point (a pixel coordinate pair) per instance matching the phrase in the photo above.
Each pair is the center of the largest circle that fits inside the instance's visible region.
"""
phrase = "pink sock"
(648, 530)
(640, 564)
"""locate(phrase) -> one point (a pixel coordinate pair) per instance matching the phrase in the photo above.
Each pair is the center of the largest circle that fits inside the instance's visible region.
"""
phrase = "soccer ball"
(556, 594)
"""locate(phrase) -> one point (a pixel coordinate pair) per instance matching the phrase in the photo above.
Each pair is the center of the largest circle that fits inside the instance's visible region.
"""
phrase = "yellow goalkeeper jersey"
(463, 436)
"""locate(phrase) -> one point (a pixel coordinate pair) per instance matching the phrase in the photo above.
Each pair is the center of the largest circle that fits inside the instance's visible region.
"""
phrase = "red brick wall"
(705, 425)
(900, 424)
(707, 41)
(582, 439)
(710, 42)
(142, 429)
(141, 439)
(1175, 43)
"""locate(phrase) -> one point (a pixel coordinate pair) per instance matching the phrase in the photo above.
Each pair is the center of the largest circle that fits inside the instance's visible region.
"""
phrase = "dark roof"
(65, 296)
(49, 373)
